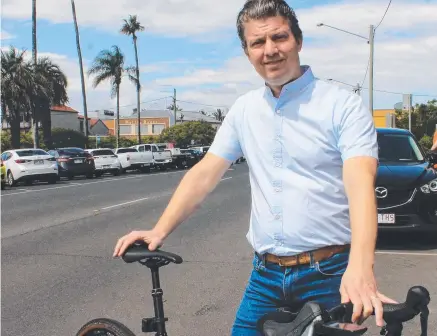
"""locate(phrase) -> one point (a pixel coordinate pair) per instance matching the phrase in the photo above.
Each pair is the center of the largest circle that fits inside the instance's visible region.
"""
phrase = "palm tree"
(82, 79)
(218, 115)
(55, 83)
(130, 27)
(109, 64)
(17, 80)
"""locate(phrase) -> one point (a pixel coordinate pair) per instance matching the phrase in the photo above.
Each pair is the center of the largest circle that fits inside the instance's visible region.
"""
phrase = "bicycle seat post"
(158, 303)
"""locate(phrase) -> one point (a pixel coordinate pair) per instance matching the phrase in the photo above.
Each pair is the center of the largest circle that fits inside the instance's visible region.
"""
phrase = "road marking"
(407, 253)
(73, 184)
(117, 205)
(141, 199)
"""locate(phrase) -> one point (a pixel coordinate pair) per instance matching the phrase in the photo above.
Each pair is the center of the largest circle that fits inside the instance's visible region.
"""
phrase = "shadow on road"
(407, 241)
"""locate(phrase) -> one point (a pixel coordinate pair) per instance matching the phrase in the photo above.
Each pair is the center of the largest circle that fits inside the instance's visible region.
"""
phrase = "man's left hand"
(359, 287)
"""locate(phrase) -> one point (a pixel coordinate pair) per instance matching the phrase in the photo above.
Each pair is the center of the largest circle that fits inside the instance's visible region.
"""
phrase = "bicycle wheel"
(104, 327)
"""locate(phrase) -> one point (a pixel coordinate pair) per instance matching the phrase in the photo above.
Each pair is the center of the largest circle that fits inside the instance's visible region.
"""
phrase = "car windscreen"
(102, 152)
(398, 148)
(71, 151)
(31, 152)
(126, 150)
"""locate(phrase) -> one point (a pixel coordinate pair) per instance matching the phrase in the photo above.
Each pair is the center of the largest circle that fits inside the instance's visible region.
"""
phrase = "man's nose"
(270, 48)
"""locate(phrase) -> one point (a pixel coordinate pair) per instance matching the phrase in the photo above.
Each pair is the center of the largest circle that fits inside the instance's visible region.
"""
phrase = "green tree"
(423, 119)
(200, 132)
(131, 27)
(109, 65)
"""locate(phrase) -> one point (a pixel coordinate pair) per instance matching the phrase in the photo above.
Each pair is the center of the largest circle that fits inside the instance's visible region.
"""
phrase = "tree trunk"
(34, 56)
(138, 89)
(82, 78)
(118, 115)
(46, 123)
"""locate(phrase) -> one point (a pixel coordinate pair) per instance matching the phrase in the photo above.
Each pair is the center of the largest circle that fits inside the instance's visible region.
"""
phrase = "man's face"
(273, 50)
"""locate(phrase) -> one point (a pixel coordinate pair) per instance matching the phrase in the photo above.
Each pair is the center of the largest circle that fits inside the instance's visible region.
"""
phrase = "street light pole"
(371, 42)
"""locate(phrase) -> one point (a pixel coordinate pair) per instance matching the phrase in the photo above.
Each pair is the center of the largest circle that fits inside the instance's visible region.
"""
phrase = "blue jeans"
(271, 286)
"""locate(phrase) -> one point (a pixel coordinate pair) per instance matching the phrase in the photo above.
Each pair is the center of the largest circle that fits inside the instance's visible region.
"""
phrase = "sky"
(192, 46)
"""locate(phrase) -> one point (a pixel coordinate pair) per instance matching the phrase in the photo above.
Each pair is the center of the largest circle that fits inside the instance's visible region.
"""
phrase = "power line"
(386, 10)
(184, 101)
(385, 91)
(368, 61)
(144, 102)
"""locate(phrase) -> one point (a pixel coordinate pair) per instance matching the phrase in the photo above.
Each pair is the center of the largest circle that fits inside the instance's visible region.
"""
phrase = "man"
(312, 152)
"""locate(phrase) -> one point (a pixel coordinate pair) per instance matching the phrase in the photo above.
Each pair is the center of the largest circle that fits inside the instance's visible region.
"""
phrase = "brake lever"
(339, 329)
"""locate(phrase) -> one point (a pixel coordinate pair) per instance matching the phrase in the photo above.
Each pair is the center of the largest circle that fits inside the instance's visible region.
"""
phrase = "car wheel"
(11, 180)
(3, 185)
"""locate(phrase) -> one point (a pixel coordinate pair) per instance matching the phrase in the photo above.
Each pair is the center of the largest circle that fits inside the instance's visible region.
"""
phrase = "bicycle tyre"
(104, 327)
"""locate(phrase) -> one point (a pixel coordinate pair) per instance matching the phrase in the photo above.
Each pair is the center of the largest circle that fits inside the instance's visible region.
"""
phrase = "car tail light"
(63, 159)
(22, 161)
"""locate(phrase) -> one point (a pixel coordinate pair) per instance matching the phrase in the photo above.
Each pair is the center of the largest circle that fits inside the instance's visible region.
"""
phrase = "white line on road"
(407, 253)
(117, 205)
(142, 199)
(73, 184)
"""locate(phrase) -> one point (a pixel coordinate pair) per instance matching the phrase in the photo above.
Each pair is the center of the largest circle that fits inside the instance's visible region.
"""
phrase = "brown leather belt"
(305, 257)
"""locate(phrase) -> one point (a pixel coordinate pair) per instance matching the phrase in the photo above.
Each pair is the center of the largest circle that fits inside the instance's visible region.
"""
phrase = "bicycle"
(310, 320)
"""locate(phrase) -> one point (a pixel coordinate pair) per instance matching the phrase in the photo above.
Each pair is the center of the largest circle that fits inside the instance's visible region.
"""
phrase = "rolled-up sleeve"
(356, 131)
(226, 143)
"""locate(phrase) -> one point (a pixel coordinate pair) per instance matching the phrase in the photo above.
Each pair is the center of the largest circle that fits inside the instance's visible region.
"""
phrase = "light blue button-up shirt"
(295, 146)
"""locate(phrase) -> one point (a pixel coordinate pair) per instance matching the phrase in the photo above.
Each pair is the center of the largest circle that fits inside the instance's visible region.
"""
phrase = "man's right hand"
(153, 238)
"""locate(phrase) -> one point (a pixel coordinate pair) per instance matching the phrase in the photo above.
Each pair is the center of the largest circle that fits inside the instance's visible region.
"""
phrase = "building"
(181, 116)
(129, 126)
(384, 118)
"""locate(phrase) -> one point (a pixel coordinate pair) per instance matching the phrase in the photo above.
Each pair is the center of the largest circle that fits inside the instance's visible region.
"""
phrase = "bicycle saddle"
(140, 252)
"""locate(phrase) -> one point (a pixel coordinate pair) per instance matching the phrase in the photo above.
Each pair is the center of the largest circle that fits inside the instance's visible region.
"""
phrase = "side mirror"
(432, 158)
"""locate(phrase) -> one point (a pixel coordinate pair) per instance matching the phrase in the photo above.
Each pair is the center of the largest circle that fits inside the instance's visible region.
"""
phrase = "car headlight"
(429, 187)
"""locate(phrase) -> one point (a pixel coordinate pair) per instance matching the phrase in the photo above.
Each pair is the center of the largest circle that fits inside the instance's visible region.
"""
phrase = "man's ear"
(300, 43)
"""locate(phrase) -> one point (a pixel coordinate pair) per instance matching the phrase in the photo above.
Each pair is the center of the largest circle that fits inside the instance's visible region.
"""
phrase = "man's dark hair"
(263, 9)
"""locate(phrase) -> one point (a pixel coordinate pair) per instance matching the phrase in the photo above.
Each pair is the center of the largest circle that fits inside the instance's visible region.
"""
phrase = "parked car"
(161, 157)
(29, 165)
(131, 159)
(406, 184)
(105, 161)
(3, 173)
(73, 162)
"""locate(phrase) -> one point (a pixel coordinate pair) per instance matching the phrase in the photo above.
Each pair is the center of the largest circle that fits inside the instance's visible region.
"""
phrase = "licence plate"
(386, 218)
(106, 166)
(39, 162)
(78, 161)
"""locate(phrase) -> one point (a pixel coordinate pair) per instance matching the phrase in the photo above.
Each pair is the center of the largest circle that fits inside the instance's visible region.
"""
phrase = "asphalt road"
(57, 269)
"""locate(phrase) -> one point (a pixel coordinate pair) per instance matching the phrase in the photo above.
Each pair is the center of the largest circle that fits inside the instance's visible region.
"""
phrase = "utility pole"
(35, 109)
(82, 78)
(174, 104)
(372, 43)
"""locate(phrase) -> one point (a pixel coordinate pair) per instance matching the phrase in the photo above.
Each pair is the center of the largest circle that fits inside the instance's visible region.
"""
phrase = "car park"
(73, 161)
(29, 165)
(406, 183)
(105, 161)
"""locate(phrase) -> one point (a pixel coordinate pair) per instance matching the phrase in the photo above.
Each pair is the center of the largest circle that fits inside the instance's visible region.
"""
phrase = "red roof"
(63, 108)
(93, 121)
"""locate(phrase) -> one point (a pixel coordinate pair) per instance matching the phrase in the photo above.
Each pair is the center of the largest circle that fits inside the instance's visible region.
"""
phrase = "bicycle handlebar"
(313, 320)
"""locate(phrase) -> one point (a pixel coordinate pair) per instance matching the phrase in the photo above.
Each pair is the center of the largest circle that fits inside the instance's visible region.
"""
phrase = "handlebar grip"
(417, 298)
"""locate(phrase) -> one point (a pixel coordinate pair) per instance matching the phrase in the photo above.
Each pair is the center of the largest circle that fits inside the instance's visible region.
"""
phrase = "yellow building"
(129, 126)
(384, 118)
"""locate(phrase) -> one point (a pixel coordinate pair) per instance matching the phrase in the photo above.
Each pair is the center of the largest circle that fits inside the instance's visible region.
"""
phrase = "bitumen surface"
(58, 271)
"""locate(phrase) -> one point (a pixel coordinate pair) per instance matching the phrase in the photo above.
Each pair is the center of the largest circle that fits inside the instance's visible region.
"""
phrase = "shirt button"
(277, 216)
(278, 111)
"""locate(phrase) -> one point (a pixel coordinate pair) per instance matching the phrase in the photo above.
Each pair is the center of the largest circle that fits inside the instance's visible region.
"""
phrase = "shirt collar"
(298, 84)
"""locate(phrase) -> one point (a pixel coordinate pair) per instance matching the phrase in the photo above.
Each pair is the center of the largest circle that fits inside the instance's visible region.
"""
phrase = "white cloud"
(4, 35)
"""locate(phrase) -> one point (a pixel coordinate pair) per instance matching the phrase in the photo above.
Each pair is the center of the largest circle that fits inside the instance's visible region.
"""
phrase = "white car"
(105, 161)
(28, 165)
